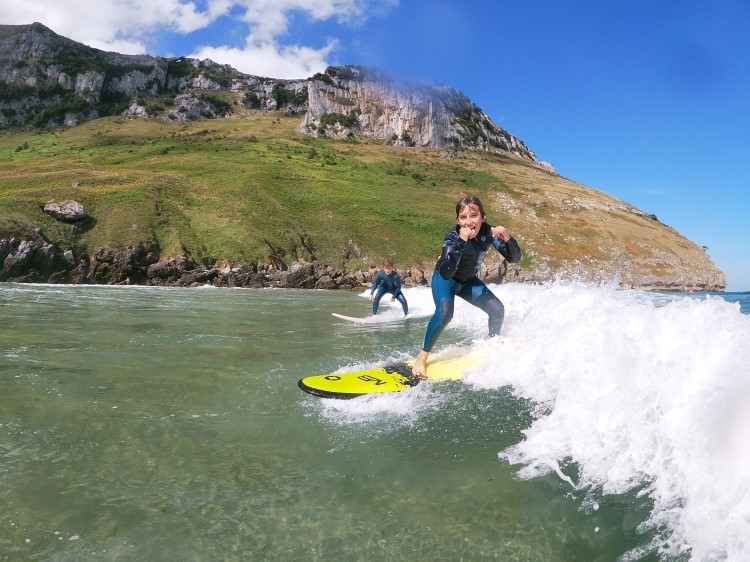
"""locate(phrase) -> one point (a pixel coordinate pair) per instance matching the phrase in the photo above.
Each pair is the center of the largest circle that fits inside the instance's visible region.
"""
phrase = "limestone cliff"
(48, 80)
(355, 99)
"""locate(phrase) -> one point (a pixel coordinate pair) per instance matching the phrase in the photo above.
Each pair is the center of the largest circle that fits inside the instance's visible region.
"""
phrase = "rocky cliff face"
(37, 261)
(352, 99)
(47, 80)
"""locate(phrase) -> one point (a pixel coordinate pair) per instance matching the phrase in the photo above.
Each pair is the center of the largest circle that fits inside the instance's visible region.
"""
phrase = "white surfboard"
(369, 319)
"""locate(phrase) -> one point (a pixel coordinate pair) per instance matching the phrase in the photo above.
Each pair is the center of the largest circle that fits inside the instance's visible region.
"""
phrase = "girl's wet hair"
(469, 200)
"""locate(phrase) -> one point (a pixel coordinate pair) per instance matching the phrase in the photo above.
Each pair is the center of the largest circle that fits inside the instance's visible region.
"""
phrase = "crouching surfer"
(464, 248)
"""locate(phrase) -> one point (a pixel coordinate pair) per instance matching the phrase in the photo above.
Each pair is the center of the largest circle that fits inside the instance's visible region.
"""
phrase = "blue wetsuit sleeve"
(377, 282)
(510, 250)
(450, 255)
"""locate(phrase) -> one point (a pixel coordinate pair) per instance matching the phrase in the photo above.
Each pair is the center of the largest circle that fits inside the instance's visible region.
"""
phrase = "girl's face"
(470, 217)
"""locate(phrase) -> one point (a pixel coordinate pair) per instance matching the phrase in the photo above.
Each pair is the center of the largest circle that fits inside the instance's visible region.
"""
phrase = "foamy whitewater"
(633, 392)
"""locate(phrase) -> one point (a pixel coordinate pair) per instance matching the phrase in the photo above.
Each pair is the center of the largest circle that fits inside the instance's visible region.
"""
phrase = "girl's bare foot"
(419, 369)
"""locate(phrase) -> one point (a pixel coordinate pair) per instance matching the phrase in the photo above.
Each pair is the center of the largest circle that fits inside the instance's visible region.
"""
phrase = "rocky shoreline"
(25, 261)
(38, 261)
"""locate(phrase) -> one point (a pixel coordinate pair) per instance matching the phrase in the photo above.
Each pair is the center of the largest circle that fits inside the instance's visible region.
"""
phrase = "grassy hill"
(253, 189)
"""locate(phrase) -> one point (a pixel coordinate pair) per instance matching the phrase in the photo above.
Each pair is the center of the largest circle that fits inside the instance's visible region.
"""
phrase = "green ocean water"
(166, 424)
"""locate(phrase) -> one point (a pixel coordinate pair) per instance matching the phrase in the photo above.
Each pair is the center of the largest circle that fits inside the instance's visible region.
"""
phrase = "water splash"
(633, 393)
(641, 392)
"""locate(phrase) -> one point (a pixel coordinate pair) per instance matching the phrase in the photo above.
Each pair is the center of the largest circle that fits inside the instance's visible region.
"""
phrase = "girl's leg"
(443, 292)
(480, 296)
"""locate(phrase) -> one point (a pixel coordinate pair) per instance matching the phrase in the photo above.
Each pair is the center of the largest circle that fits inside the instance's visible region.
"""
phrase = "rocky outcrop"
(122, 267)
(26, 261)
(364, 101)
(47, 80)
(40, 262)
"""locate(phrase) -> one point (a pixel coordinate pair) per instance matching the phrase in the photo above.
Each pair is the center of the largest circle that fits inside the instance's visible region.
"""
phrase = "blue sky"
(648, 101)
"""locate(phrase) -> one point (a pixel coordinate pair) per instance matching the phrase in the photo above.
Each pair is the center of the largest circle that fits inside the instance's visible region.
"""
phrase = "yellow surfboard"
(392, 378)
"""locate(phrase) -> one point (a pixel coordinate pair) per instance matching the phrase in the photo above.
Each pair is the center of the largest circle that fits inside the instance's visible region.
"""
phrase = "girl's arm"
(512, 251)
(377, 282)
(505, 244)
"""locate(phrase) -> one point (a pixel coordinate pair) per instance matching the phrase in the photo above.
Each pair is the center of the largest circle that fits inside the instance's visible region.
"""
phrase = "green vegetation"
(75, 60)
(474, 126)
(285, 97)
(256, 190)
(184, 68)
(233, 190)
(9, 92)
(70, 103)
(113, 103)
(222, 106)
(181, 68)
(324, 77)
(344, 120)
(252, 101)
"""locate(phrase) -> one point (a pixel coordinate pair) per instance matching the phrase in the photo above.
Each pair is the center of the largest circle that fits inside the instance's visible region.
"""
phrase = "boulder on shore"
(68, 211)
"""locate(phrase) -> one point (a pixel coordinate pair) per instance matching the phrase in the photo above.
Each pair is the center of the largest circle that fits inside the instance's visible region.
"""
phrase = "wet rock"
(123, 266)
(33, 262)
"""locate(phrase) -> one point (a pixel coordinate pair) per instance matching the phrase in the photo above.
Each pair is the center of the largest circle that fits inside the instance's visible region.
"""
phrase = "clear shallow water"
(164, 424)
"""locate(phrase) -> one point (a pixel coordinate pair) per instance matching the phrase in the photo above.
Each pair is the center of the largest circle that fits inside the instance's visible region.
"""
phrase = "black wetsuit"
(455, 275)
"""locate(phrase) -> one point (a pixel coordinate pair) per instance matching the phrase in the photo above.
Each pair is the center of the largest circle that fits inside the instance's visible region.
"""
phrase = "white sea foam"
(642, 392)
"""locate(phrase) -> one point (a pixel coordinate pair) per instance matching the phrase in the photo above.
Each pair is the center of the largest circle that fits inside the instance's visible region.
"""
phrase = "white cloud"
(268, 18)
(115, 25)
(265, 54)
(128, 26)
(270, 60)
